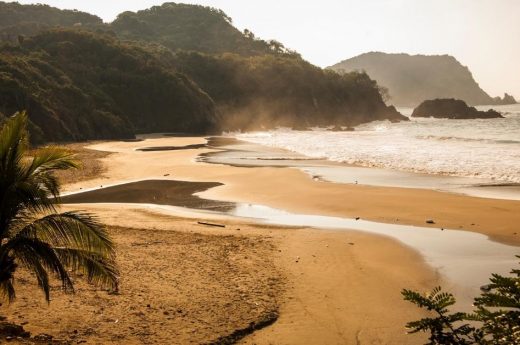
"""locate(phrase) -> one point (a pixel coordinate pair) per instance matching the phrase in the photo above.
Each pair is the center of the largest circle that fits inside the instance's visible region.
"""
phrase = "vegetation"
(28, 20)
(192, 28)
(79, 85)
(272, 90)
(496, 319)
(32, 234)
(171, 68)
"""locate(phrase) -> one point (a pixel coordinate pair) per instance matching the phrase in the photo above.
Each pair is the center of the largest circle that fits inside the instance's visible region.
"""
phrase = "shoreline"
(294, 191)
(239, 153)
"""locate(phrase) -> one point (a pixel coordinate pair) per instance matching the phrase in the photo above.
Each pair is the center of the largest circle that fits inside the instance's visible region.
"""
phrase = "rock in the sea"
(508, 99)
(449, 108)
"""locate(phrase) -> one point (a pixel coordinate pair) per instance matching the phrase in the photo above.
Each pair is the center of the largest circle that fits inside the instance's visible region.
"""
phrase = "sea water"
(487, 149)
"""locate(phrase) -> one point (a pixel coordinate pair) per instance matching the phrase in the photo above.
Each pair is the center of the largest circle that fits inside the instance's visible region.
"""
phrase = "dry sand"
(328, 287)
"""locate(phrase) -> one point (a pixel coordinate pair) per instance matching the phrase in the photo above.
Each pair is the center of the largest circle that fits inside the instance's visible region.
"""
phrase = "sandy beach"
(200, 284)
(293, 190)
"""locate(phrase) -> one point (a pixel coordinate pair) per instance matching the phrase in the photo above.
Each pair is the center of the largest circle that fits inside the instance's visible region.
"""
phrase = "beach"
(251, 282)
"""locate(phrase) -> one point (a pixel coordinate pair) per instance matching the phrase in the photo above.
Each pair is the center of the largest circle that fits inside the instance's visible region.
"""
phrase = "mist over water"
(483, 148)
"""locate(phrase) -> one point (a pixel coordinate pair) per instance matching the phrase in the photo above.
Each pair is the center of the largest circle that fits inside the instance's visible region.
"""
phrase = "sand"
(328, 287)
(292, 190)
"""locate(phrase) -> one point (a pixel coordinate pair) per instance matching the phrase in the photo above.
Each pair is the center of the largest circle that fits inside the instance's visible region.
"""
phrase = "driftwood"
(212, 224)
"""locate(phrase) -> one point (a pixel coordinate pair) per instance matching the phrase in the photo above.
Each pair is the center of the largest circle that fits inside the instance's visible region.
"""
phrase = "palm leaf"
(72, 230)
(99, 270)
(13, 140)
(37, 255)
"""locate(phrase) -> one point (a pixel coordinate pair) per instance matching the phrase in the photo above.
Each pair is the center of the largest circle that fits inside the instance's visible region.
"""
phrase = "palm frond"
(51, 158)
(13, 140)
(37, 255)
(99, 270)
(7, 289)
(44, 162)
(7, 269)
(75, 230)
(33, 263)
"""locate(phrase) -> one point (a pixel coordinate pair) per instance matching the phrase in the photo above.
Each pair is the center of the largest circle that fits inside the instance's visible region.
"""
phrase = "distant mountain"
(173, 67)
(411, 79)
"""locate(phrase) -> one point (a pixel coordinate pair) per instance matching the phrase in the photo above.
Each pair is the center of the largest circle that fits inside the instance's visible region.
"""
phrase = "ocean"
(481, 149)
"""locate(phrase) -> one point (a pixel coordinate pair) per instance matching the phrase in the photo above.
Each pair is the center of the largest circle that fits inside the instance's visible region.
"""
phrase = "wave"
(483, 140)
(453, 150)
(281, 158)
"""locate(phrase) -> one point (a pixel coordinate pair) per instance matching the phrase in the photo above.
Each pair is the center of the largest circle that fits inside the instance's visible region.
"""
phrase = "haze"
(481, 34)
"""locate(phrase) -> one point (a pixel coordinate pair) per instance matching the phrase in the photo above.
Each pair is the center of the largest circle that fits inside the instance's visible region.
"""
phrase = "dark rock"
(43, 337)
(449, 108)
(430, 221)
(394, 116)
(11, 330)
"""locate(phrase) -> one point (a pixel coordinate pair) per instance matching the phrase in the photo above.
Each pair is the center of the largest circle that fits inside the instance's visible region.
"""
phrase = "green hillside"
(17, 19)
(79, 85)
(191, 27)
(175, 67)
(271, 90)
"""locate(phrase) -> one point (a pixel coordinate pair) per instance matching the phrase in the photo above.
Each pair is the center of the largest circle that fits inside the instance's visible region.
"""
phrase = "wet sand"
(161, 192)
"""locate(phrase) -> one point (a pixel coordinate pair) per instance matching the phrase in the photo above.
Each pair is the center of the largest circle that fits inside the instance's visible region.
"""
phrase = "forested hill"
(266, 91)
(79, 85)
(175, 67)
(17, 19)
(191, 27)
(411, 79)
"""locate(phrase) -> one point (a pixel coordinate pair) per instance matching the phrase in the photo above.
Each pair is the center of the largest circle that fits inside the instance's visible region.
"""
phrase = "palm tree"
(33, 234)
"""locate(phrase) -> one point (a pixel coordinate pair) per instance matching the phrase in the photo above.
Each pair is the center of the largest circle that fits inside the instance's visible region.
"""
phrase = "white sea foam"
(488, 149)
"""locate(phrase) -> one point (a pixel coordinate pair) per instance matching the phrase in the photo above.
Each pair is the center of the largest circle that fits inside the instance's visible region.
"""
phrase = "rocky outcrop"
(450, 108)
(507, 99)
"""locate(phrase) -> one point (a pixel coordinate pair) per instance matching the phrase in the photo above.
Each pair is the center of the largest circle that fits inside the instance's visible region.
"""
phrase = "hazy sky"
(482, 34)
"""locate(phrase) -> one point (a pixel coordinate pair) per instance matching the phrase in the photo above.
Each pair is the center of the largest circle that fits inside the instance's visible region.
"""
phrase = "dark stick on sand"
(212, 224)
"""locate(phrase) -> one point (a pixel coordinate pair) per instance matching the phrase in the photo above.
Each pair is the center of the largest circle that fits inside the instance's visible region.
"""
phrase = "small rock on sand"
(430, 221)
